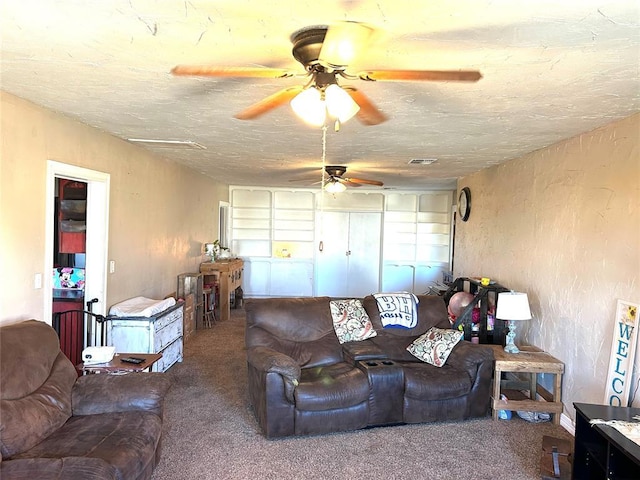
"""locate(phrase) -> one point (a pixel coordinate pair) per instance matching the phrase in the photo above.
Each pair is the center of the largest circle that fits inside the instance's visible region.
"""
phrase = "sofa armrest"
(477, 361)
(469, 356)
(103, 393)
(270, 361)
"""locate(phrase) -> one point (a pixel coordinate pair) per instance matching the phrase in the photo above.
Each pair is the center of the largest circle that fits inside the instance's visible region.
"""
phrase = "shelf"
(293, 201)
(251, 198)
(435, 202)
(398, 202)
(598, 453)
(295, 215)
(72, 216)
(433, 217)
(251, 234)
(486, 299)
(300, 223)
(252, 248)
(400, 217)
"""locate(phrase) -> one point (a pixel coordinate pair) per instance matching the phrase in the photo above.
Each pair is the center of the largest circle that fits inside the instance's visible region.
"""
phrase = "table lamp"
(512, 306)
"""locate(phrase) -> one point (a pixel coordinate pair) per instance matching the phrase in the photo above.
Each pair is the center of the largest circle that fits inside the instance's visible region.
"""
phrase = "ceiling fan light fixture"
(340, 105)
(309, 106)
(334, 186)
(342, 43)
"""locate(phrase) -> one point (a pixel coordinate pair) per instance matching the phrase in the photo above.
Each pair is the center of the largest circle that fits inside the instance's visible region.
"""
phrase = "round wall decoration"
(464, 204)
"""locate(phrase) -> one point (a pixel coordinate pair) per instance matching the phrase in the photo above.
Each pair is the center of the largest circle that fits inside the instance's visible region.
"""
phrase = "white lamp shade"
(310, 107)
(340, 105)
(335, 187)
(513, 306)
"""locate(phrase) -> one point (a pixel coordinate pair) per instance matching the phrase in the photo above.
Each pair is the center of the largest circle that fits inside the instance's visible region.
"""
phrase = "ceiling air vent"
(422, 161)
(168, 143)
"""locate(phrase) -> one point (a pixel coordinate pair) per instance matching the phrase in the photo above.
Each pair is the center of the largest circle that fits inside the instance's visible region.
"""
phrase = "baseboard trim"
(568, 424)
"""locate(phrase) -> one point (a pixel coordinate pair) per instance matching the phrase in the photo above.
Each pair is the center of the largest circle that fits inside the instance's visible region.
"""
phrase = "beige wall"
(160, 213)
(563, 225)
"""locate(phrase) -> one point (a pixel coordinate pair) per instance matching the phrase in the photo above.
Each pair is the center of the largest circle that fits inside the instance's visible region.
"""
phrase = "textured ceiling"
(552, 69)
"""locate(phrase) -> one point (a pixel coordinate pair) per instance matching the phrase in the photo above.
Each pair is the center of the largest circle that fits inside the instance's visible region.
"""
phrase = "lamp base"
(511, 347)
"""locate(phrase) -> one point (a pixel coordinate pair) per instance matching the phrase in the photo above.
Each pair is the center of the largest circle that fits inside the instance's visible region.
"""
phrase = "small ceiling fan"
(336, 174)
(326, 52)
(334, 180)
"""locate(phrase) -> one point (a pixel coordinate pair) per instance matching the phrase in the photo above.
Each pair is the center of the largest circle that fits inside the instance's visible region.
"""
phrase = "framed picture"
(623, 350)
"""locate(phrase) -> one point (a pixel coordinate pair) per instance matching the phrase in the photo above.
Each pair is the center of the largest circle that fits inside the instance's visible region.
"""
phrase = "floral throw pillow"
(350, 321)
(435, 345)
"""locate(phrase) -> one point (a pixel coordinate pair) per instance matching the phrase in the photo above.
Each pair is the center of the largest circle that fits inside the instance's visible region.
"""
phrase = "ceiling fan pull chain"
(324, 155)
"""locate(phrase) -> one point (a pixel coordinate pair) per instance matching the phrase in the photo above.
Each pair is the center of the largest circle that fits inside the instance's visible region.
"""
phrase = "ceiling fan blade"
(272, 101)
(368, 113)
(308, 181)
(363, 181)
(210, 71)
(347, 182)
(420, 75)
(343, 42)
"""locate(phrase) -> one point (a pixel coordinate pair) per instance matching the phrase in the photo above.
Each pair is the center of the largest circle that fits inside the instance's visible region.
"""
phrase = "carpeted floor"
(210, 433)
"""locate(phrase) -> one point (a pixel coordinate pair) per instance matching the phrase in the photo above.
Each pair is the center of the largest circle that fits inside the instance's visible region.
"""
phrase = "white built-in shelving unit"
(417, 240)
(278, 231)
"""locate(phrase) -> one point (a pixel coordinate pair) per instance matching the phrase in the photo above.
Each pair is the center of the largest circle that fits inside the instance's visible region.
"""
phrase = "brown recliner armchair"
(54, 425)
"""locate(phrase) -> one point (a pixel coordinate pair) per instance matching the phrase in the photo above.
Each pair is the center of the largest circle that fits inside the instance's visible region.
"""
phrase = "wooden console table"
(228, 274)
(531, 360)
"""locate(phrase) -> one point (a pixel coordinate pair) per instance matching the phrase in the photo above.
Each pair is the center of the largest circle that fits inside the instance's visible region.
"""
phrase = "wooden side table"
(531, 360)
(116, 366)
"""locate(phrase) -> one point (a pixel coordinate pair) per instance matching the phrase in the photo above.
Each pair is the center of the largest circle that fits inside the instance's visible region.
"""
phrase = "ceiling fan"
(335, 181)
(326, 52)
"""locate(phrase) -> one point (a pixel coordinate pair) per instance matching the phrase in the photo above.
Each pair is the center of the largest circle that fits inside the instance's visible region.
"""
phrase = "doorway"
(97, 224)
(224, 224)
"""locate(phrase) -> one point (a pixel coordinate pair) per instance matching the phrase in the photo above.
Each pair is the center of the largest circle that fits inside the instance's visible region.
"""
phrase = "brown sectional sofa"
(303, 381)
(54, 425)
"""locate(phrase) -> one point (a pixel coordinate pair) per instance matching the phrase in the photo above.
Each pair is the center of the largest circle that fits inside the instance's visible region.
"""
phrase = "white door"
(349, 263)
(97, 231)
(332, 267)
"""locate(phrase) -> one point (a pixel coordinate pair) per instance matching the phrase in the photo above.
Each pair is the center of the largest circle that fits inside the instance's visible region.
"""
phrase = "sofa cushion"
(335, 386)
(126, 440)
(394, 347)
(426, 382)
(19, 356)
(94, 394)
(294, 319)
(350, 321)
(435, 345)
(301, 328)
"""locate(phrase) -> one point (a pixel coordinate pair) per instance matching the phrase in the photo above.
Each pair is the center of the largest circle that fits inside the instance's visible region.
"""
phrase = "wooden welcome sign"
(623, 349)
